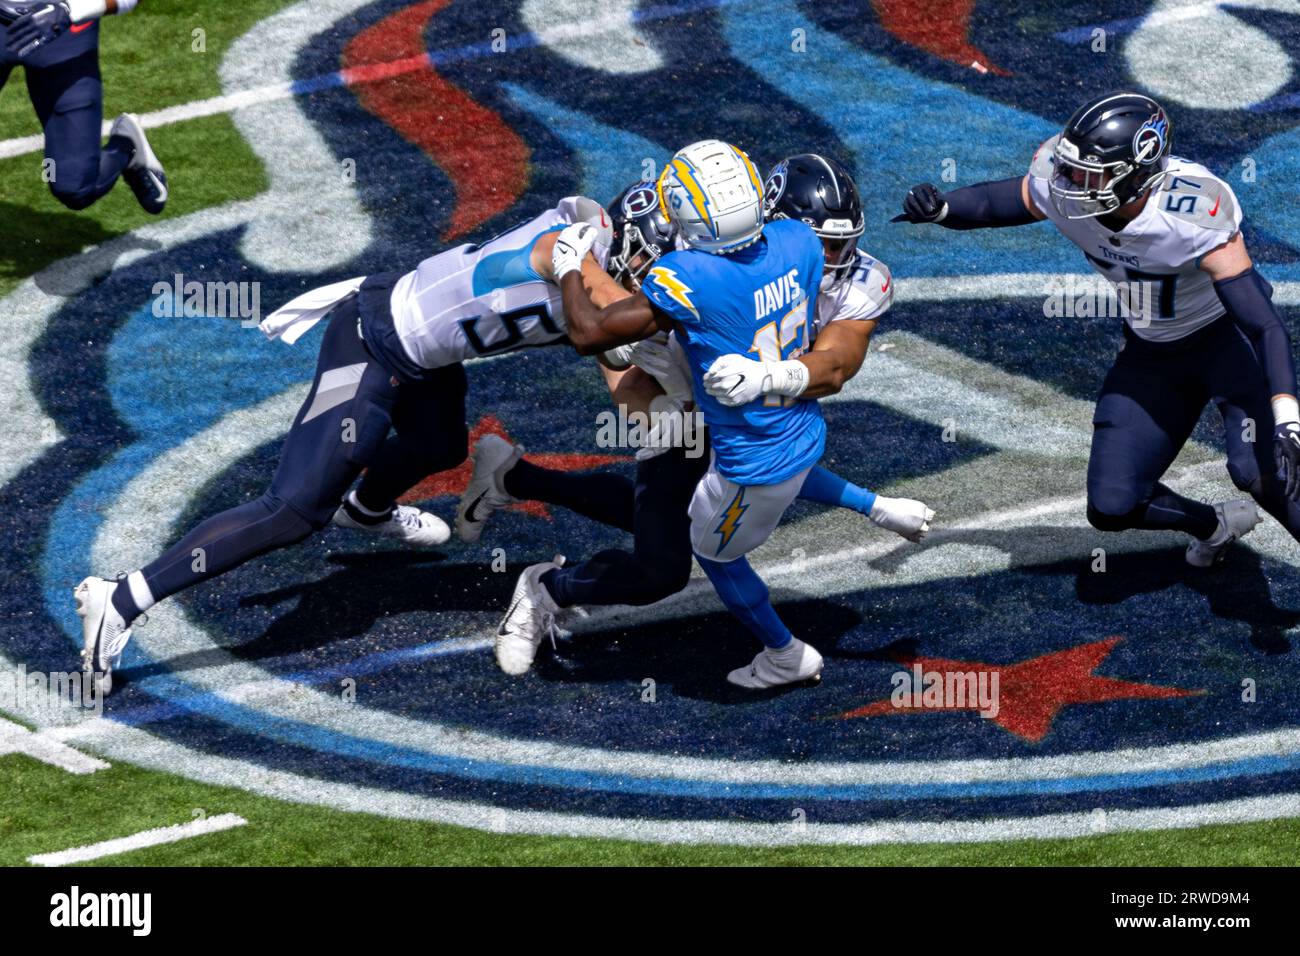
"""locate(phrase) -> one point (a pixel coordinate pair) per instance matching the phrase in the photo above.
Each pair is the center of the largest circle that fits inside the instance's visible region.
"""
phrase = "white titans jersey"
(1191, 213)
(867, 295)
(486, 299)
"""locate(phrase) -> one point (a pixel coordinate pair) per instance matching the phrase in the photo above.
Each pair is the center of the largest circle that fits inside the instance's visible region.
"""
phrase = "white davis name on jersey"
(777, 294)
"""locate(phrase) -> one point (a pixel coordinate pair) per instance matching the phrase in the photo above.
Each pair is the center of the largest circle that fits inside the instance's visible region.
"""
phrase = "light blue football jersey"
(759, 302)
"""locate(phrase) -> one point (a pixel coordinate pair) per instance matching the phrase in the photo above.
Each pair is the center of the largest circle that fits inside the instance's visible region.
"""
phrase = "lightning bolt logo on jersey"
(759, 301)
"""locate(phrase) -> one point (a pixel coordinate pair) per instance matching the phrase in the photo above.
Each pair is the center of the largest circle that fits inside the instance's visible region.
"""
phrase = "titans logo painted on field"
(348, 673)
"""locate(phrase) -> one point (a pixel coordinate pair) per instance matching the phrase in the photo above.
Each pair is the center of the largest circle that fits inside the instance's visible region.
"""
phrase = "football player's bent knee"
(287, 524)
(1245, 475)
(661, 580)
(292, 516)
(1109, 521)
(77, 196)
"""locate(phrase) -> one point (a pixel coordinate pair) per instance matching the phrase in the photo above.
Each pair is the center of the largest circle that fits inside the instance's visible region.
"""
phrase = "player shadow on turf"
(46, 237)
(346, 603)
(1236, 590)
(691, 655)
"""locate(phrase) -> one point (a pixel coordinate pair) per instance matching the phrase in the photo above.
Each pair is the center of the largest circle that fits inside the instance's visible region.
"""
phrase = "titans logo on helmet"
(774, 188)
(1149, 140)
(640, 199)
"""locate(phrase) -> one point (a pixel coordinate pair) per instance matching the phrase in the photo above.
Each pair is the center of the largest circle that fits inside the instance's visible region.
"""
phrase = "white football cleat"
(486, 491)
(406, 524)
(1237, 518)
(795, 663)
(144, 173)
(903, 516)
(104, 634)
(532, 616)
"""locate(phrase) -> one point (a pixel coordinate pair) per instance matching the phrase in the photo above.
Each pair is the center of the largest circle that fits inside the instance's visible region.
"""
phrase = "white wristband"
(788, 378)
(83, 10)
(1285, 410)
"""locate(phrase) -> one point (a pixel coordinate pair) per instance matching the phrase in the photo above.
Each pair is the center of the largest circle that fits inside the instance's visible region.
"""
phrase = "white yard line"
(137, 841)
(39, 745)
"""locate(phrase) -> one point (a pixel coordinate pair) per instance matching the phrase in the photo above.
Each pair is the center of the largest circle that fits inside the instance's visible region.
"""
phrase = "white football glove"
(903, 516)
(671, 421)
(663, 359)
(735, 380)
(620, 356)
(571, 247)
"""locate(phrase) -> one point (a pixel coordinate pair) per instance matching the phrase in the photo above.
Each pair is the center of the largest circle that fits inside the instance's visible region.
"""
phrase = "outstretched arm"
(1004, 202)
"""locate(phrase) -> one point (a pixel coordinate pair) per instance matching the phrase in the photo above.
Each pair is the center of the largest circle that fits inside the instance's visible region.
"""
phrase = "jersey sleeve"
(668, 288)
(1203, 208)
(870, 294)
(1040, 175)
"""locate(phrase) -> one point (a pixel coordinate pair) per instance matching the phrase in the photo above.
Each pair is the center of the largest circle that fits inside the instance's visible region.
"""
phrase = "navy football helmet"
(642, 233)
(1113, 150)
(820, 192)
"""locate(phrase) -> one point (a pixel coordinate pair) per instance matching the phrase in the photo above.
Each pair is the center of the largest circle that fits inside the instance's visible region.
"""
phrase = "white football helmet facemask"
(713, 194)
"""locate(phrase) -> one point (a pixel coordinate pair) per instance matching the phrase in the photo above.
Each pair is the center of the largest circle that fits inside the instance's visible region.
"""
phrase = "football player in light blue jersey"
(652, 376)
(733, 288)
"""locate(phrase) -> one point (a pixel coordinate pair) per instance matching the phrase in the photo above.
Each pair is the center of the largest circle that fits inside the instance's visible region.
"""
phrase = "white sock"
(140, 592)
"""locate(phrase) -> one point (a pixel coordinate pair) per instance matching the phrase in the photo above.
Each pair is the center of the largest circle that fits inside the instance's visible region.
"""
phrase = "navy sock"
(361, 517)
(1171, 511)
(124, 603)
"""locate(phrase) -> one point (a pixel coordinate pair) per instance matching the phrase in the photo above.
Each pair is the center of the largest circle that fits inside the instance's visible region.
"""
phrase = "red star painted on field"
(939, 27)
(453, 482)
(1032, 692)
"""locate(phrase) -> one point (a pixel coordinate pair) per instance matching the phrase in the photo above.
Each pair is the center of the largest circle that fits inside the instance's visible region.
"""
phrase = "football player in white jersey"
(1110, 183)
(856, 291)
(388, 397)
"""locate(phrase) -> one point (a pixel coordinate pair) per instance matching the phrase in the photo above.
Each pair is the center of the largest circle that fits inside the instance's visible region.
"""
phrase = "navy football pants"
(1151, 400)
(342, 427)
(69, 101)
(654, 510)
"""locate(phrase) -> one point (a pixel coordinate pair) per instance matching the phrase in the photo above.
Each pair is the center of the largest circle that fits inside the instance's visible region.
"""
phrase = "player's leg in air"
(339, 429)
(58, 46)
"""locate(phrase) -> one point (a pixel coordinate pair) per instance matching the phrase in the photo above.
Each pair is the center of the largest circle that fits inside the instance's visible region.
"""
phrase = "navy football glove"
(1286, 452)
(37, 27)
(923, 203)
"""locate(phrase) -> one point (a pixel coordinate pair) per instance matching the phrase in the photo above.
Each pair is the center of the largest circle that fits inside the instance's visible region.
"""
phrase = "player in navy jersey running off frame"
(57, 45)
